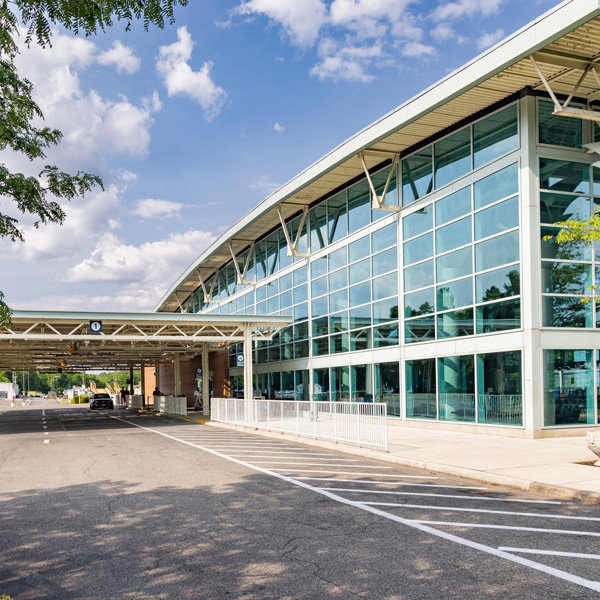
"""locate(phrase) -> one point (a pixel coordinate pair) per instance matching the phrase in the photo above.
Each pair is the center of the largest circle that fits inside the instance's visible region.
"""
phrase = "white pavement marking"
(514, 528)
(484, 511)
(46, 441)
(318, 465)
(550, 552)
(45, 433)
(45, 426)
(592, 585)
(285, 452)
(293, 457)
(339, 473)
(43, 412)
(428, 485)
(442, 496)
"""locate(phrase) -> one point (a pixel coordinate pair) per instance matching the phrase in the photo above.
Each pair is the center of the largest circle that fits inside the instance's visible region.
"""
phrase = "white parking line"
(513, 528)
(46, 441)
(565, 576)
(442, 496)
(293, 457)
(550, 552)
(430, 485)
(336, 473)
(484, 511)
(285, 452)
(45, 433)
(43, 412)
(45, 426)
(270, 462)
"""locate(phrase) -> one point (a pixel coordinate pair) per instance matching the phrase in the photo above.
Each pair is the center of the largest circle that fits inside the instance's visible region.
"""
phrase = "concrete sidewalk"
(547, 466)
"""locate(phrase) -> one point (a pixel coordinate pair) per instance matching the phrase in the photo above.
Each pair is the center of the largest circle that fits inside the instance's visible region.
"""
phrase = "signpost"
(96, 326)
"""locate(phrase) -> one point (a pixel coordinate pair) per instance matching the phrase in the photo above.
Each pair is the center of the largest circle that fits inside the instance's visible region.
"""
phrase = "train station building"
(411, 259)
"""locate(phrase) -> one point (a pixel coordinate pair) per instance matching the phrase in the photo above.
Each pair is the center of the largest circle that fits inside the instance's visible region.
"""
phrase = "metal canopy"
(47, 341)
(565, 46)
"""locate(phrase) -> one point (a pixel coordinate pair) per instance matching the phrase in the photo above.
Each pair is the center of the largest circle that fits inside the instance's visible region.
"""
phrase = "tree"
(19, 113)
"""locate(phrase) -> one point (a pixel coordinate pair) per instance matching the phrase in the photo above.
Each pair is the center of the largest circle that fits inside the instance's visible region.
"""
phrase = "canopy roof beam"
(293, 246)
(378, 202)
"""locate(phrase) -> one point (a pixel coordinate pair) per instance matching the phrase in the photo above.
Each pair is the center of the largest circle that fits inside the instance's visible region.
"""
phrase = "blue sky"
(192, 126)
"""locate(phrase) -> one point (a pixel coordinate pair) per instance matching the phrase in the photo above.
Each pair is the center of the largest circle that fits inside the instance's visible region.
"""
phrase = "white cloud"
(150, 208)
(133, 300)
(179, 78)
(489, 39)
(417, 49)
(340, 62)
(279, 128)
(442, 32)
(122, 57)
(466, 8)
(300, 19)
(148, 269)
(93, 126)
(265, 185)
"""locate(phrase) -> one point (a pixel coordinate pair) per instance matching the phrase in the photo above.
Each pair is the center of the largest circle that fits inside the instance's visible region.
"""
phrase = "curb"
(525, 485)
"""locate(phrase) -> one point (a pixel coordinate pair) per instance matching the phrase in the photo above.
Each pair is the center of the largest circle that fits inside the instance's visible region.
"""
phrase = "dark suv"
(101, 401)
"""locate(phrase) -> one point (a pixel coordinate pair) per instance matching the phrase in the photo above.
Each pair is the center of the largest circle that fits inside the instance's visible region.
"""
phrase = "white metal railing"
(361, 423)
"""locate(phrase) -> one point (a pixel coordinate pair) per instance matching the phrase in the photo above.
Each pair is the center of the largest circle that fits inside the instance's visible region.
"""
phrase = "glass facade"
(422, 309)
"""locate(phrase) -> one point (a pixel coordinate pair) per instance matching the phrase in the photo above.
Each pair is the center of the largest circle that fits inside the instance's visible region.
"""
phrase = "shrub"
(84, 399)
(75, 400)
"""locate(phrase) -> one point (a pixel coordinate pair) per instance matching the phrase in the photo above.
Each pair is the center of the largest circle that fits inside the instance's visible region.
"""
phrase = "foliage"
(574, 233)
(39, 196)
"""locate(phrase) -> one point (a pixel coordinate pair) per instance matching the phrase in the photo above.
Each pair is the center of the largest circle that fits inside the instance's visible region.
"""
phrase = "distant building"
(8, 391)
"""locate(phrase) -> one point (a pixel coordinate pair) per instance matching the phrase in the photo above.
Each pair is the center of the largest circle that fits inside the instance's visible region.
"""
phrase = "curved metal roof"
(563, 41)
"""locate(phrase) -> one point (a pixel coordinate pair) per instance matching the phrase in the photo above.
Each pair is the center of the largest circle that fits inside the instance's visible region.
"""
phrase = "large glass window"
(456, 377)
(568, 387)
(387, 386)
(340, 384)
(495, 135)
(321, 385)
(421, 398)
(453, 206)
(417, 179)
(362, 385)
(496, 186)
(555, 130)
(452, 157)
(499, 388)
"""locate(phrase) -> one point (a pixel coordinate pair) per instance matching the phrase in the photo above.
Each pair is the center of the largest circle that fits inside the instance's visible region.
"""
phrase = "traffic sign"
(96, 326)
(240, 360)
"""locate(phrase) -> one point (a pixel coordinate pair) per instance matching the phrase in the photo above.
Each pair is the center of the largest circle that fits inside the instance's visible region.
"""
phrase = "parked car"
(101, 401)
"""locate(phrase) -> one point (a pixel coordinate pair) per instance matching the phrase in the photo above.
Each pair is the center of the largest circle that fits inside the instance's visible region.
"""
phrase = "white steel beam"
(378, 202)
(293, 245)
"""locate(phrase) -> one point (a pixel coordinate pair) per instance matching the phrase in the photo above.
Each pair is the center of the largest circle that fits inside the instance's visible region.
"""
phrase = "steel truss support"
(293, 246)
(208, 294)
(564, 110)
(378, 202)
(241, 275)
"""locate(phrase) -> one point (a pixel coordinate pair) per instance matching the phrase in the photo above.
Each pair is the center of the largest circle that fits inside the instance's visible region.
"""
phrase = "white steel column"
(531, 313)
(143, 384)
(248, 383)
(177, 374)
(157, 374)
(205, 381)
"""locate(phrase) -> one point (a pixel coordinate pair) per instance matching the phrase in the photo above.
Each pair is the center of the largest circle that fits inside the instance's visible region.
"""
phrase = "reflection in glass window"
(452, 157)
(338, 280)
(453, 206)
(321, 385)
(386, 310)
(362, 386)
(340, 384)
(339, 343)
(300, 275)
(337, 220)
(320, 346)
(338, 301)
(421, 397)
(385, 261)
(360, 294)
(499, 316)
(379, 181)
(568, 387)
(385, 237)
(417, 180)
(337, 259)
(495, 135)
(456, 378)
(301, 311)
(418, 249)
(338, 322)
(385, 286)
(419, 303)
(360, 339)
(560, 207)
(497, 284)
(387, 386)
(418, 222)
(385, 335)
(454, 235)
(318, 223)
(497, 218)
(566, 278)
(454, 265)
(456, 323)
(555, 130)
(320, 326)
(499, 388)
(455, 294)
(360, 271)
(300, 293)
(496, 251)
(361, 248)
(319, 306)
(360, 317)
(564, 176)
(496, 186)
(318, 287)
(568, 251)
(359, 206)
(421, 329)
(301, 349)
(564, 311)
(318, 267)
(419, 276)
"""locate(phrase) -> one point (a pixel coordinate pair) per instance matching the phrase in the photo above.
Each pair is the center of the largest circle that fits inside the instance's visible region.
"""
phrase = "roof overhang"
(47, 341)
(564, 41)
